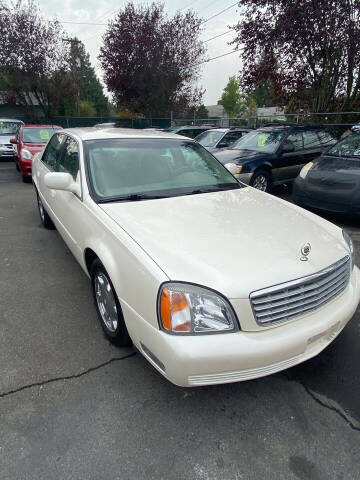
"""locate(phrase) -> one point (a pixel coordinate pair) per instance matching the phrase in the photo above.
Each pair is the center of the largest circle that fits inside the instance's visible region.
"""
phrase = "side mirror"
(231, 167)
(13, 141)
(288, 147)
(222, 145)
(61, 181)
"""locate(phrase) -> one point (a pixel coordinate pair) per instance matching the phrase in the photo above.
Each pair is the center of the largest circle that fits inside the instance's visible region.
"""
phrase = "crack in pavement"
(67, 377)
(326, 403)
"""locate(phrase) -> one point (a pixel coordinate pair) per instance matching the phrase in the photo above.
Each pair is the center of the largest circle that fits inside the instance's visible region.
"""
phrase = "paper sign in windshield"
(261, 140)
(44, 135)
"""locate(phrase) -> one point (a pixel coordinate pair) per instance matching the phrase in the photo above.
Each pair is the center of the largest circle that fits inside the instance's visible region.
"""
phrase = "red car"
(29, 140)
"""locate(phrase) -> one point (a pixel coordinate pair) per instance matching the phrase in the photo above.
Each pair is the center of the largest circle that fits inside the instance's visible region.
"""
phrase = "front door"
(288, 164)
(68, 207)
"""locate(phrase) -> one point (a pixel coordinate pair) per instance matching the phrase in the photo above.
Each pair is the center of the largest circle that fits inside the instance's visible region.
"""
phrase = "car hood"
(240, 156)
(234, 241)
(34, 147)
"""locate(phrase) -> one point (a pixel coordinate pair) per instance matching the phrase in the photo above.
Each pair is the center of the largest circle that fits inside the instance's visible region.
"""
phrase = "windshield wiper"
(132, 197)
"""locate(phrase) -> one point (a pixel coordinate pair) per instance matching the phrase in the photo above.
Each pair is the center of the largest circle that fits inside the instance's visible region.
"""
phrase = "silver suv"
(9, 128)
(218, 138)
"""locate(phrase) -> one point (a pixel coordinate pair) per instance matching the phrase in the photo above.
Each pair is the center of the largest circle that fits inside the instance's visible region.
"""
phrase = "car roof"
(192, 127)
(11, 120)
(290, 127)
(40, 126)
(231, 129)
(91, 133)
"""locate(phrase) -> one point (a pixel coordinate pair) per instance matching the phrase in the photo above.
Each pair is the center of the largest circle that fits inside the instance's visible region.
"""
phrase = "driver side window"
(52, 152)
(69, 160)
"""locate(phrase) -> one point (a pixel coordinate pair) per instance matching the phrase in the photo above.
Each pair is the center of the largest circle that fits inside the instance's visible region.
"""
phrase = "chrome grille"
(292, 299)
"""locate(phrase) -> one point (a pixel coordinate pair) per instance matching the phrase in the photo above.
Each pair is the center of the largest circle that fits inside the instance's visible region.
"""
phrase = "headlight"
(351, 248)
(305, 170)
(185, 308)
(26, 154)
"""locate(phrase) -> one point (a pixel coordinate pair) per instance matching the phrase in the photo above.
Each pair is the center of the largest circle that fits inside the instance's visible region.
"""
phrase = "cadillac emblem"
(305, 250)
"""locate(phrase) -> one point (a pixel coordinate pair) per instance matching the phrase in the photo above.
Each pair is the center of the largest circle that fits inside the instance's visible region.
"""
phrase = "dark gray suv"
(275, 154)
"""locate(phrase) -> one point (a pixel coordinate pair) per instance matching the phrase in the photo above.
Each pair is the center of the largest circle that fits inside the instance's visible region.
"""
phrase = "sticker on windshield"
(44, 135)
(261, 140)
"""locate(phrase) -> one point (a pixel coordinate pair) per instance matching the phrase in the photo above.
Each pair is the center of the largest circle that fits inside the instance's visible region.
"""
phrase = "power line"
(217, 36)
(105, 24)
(219, 13)
(219, 56)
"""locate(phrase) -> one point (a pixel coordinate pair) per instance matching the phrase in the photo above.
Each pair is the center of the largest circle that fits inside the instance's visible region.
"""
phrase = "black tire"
(261, 179)
(26, 179)
(118, 334)
(44, 217)
(17, 166)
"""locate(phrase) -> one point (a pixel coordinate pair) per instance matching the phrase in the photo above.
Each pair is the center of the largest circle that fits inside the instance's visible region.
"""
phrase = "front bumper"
(25, 167)
(244, 177)
(7, 153)
(231, 357)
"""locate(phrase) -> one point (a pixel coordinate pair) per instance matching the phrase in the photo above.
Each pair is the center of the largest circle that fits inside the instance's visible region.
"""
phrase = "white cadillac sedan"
(212, 280)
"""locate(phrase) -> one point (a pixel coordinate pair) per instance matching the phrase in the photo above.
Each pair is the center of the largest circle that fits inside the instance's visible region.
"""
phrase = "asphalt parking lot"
(72, 406)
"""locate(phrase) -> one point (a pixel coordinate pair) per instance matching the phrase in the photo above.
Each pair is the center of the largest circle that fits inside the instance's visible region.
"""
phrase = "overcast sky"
(214, 74)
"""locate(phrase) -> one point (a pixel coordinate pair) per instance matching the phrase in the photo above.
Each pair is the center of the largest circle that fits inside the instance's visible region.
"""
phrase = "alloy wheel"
(106, 301)
(261, 183)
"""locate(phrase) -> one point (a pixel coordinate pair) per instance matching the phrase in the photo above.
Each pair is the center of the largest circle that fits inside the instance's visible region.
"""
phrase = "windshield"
(37, 135)
(133, 169)
(9, 128)
(266, 142)
(348, 147)
(209, 138)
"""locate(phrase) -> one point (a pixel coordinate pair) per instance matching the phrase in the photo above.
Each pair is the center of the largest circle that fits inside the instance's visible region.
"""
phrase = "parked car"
(218, 138)
(105, 125)
(153, 220)
(29, 140)
(332, 182)
(190, 131)
(275, 154)
(8, 128)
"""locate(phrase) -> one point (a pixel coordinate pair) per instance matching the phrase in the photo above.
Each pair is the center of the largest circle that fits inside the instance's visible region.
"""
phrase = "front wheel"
(108, 306)
(261, 180)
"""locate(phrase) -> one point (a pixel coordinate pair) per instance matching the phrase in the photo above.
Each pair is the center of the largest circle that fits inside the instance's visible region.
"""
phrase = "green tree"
(89, 88)
(87, 109)
(232, 100)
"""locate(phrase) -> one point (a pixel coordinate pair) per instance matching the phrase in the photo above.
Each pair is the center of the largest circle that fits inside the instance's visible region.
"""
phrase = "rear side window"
(297, 140)
(311, 140)
(69, 161)
(325, 138)
(52, 152)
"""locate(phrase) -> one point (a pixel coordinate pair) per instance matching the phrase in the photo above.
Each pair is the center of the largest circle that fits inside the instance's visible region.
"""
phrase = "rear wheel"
(45, 219)
(261, 180)
(108, 306)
